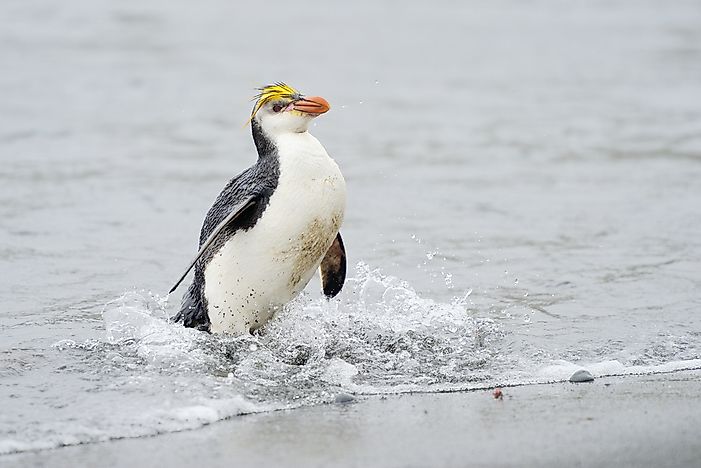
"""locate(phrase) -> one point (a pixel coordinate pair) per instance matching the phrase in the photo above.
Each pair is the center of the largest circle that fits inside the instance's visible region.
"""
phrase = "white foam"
(562, 370)
(340, 373)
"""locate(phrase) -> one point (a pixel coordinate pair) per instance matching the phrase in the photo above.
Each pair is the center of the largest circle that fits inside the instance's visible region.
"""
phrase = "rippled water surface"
(524, 192)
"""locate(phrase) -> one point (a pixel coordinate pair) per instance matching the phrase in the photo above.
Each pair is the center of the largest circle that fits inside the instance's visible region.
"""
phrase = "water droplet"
(377, 82)
(448, 280)
(516, 281)
(361, 103)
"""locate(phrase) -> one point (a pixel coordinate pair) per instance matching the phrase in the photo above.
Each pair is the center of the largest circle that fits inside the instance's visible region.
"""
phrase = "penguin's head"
(282, 109)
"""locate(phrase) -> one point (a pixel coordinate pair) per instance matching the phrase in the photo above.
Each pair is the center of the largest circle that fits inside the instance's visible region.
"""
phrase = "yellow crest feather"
(273, 92)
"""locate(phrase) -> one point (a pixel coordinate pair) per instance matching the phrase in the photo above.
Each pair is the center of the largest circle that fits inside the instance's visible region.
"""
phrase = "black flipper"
(230, 218)
(193, 312)
(193, 308)
(333, 268)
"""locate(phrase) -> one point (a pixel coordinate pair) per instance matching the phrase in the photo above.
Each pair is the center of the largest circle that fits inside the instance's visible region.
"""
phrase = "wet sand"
(651, 420)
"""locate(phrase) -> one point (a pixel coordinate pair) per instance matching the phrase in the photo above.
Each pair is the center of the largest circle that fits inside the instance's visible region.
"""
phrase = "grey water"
(524, 188)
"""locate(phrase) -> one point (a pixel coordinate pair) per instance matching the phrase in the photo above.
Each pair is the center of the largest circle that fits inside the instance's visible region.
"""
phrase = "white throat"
(300, 147)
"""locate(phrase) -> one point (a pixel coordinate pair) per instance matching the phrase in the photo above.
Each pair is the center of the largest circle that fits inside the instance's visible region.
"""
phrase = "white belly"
(259, 270)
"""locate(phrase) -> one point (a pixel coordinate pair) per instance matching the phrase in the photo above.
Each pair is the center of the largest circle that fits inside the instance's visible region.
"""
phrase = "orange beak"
(314, 105)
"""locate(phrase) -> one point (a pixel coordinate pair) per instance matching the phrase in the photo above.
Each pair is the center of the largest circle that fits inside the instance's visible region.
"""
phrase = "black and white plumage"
(272, 226)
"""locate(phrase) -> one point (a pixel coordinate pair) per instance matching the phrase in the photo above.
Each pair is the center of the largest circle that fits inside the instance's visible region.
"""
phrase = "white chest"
(263, 268)
(310, 186)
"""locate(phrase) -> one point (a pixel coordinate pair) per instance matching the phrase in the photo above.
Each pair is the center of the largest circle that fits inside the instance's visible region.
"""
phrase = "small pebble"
(498, 394)
(343, 398)
(582, 375)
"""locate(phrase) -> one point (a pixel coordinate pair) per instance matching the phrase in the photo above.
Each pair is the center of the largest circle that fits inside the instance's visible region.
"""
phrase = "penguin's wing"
(333, 268)
(239, 209)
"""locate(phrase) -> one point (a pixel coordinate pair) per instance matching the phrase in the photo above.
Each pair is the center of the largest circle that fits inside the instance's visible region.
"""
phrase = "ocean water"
(524, 192)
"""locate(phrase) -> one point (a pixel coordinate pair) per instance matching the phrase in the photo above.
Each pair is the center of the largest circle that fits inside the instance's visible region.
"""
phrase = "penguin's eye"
(277, 108)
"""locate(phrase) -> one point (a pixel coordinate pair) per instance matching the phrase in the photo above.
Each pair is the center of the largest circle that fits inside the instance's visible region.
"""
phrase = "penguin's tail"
(193, 312)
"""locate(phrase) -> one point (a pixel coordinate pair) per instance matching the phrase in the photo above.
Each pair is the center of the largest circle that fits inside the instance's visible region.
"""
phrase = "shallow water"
(523, 201)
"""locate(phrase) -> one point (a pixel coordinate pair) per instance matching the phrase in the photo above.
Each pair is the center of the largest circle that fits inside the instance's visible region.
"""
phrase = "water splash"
(378, 336)
(148, 375)
(380, 330)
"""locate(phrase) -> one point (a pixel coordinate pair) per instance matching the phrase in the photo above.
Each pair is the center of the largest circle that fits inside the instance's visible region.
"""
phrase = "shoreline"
(632, 420)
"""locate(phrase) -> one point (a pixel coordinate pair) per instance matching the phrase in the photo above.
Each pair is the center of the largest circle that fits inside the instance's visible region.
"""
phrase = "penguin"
(272, 226)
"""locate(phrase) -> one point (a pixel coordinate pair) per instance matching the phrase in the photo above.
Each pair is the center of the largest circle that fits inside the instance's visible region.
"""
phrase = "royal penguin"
(272, 226)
